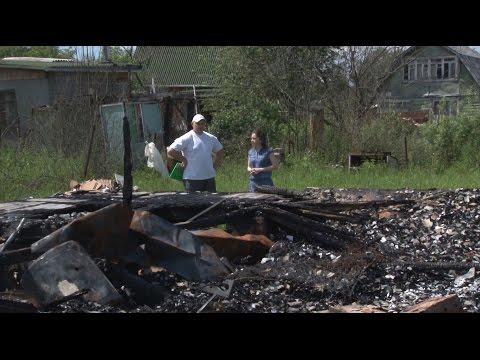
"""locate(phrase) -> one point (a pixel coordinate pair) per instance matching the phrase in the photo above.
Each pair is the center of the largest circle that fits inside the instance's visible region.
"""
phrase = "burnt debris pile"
(275, 251)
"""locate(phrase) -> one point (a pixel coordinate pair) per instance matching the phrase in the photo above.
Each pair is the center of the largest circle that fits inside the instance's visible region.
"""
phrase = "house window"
(422, 71)
(425, 71)
(411, 72)
(439, 71)
(431, 69)
(8, 111)
(449, 68)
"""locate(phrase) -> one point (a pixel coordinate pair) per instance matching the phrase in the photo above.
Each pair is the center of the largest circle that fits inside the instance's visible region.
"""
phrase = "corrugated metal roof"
(36, 59)
(473, 66)
(470, 58)
(464, 50)
(178, 65)
(45, 65)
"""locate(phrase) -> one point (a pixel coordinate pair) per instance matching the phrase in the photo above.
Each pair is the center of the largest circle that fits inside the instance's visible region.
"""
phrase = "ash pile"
(320, 250)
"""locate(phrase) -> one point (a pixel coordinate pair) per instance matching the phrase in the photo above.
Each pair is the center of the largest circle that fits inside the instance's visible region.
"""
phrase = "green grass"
(148, 179)
(34, 174)
(37, 174)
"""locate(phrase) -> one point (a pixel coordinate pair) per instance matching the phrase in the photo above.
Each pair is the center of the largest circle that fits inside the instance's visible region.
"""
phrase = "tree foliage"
(120, 54)
(281, 87)
(273, 87)
(453, 141)
(36, 51)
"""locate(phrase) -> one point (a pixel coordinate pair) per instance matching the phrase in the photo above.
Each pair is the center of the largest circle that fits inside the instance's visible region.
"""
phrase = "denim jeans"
(265, 181)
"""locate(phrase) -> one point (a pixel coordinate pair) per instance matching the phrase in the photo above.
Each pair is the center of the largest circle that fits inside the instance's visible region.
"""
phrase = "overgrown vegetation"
(441, 154)
(318, 103)
(300, 95)
(26, 174)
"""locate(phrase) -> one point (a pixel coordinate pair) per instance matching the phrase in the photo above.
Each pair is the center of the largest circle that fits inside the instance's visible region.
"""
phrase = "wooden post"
(127, 162)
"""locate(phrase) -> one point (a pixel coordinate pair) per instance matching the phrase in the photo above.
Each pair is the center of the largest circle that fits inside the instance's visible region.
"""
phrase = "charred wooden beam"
(309, 234)
(16, 256)
(142, 291)
(313, 212)
(443, 265)
(302, 221)
(12, 237)
(306, 227)
(215, 220)
(264, 189)
(92, 203)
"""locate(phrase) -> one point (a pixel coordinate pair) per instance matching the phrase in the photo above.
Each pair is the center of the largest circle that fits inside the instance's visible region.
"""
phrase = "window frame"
(439, 68)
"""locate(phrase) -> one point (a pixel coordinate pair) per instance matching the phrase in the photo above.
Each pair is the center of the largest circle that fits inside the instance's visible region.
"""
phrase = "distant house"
(179, 77)
(433, 81)
(28, 84)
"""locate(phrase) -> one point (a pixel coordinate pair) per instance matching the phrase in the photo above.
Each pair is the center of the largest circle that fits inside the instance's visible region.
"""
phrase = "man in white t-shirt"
(201, 154)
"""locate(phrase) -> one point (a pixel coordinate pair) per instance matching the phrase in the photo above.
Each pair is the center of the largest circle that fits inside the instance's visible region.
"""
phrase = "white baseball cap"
(198, 118)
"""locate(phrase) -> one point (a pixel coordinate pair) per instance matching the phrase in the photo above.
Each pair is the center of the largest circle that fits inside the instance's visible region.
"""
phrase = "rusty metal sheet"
(234, 247)
(103, 233)
(177, 250)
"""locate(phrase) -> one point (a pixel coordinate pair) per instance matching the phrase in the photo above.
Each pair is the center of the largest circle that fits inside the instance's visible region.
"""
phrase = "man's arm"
(176, 155)
(218, 159)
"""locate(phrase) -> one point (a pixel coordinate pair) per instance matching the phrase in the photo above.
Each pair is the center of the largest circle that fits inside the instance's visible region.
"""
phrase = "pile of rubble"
(322, 250)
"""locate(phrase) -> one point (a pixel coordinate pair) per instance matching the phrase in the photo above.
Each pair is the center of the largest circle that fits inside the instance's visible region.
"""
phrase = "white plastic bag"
(155, 160)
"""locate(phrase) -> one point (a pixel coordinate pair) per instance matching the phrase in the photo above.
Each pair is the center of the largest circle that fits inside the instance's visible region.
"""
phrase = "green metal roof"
(178, 65)
(64, 65)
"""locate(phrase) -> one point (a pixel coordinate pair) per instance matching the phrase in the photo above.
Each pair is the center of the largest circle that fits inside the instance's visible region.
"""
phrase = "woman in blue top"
(261, 161)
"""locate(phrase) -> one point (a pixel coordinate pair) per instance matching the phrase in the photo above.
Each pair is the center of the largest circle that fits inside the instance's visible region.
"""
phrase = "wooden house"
(433, 81)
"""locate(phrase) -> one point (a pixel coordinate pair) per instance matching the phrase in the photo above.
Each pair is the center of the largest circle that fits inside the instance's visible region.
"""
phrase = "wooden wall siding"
(15, 74)
(470, 104)
(106, 87)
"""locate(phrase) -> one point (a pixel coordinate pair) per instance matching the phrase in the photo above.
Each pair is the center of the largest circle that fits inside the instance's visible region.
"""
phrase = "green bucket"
(177, 172)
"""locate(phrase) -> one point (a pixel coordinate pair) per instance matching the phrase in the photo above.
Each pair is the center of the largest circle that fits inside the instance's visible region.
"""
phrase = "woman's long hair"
(262, 136)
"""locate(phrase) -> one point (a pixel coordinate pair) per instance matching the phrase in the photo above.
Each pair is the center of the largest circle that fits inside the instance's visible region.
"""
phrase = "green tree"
(280, 87)
(273, 87)
(36, 51)
(120, 54)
